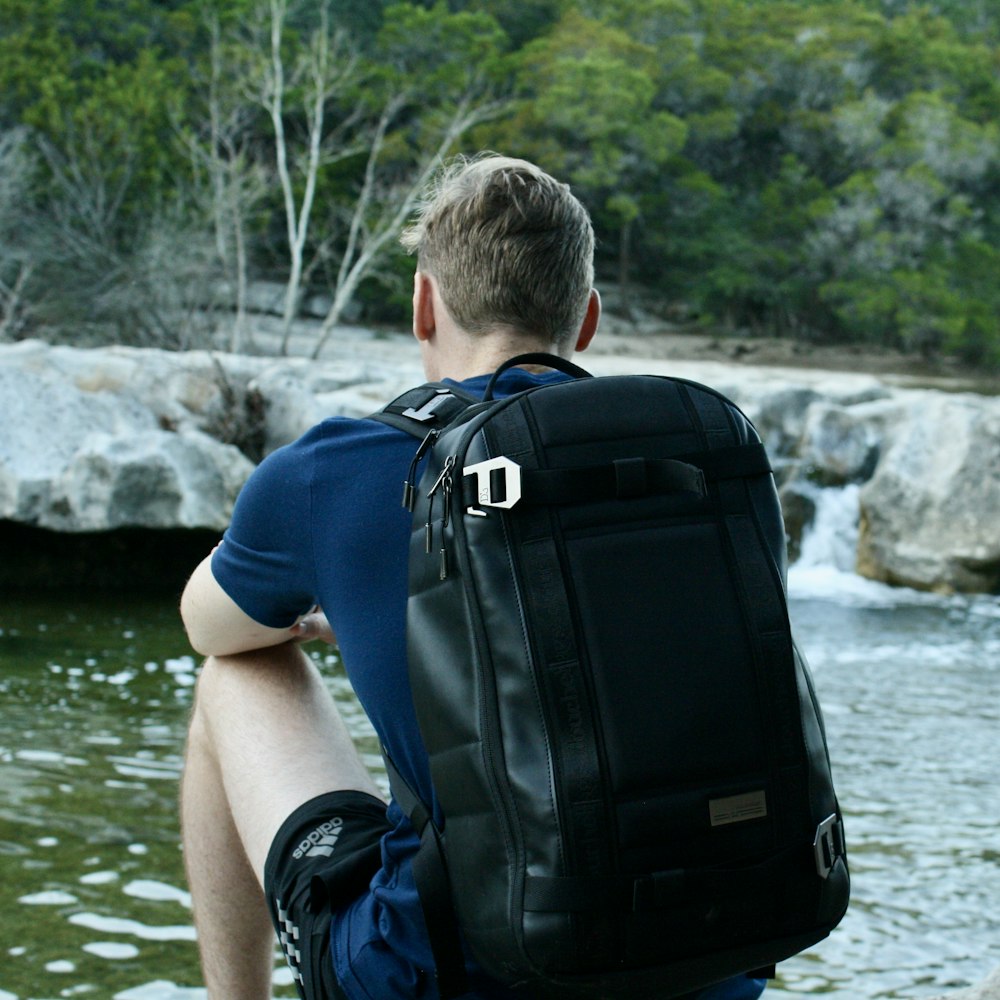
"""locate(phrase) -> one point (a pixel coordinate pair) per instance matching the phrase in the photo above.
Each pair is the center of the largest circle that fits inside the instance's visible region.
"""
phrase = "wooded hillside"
(825, 170)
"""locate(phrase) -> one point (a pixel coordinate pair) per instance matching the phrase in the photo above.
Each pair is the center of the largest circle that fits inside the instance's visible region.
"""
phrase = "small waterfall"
(832, 538)
(825, 567)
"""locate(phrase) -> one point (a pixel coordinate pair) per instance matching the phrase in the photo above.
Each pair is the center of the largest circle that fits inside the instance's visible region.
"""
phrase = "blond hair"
(509, 246)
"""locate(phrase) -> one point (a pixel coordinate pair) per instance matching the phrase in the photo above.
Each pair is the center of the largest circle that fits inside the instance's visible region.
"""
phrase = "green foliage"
(520, 20)
(35, 62)
(435, 53)
(588, 110)
(819, 168)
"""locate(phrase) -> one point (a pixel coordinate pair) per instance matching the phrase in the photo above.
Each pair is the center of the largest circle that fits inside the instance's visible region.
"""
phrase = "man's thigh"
(278, 739)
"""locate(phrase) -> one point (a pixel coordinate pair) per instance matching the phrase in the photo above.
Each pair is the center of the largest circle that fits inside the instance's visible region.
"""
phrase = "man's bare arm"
(217, 626)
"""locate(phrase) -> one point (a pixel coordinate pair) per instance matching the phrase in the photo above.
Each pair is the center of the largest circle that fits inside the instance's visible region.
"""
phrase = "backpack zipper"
(445, 485)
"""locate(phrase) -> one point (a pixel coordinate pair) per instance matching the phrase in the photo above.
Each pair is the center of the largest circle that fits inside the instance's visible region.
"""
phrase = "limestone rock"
(300, 394)
(798, 507)
(115, 437)
(930, 514)
(118, 437)
(841, 444)
(779, 415)
(97, 440)
(152, 479)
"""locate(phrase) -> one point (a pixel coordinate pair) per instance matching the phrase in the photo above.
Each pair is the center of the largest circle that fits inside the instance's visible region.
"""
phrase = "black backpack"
(624, 739)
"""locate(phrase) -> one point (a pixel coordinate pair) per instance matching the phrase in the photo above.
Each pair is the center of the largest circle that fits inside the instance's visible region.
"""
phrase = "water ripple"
(125, 925)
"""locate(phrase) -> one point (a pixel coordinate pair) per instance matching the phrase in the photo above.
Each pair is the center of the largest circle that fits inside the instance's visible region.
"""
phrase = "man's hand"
(314, 626)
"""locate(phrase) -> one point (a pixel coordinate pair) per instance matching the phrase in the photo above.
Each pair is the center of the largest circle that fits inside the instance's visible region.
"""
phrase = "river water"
(94, 695)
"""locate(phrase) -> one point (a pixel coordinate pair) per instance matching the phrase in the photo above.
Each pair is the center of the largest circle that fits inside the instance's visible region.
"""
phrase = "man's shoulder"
(342, 430)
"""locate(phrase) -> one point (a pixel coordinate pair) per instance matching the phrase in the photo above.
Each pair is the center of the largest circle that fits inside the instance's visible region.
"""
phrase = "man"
(274, 794)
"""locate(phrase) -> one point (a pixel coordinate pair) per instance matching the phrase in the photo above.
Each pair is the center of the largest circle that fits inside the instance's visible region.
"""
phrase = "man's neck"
(465, 355)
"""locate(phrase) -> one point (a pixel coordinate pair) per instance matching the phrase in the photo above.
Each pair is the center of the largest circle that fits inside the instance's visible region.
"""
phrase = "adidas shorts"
(324, 855)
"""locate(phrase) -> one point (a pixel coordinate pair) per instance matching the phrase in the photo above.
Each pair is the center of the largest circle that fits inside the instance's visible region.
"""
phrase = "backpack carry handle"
(536, 358)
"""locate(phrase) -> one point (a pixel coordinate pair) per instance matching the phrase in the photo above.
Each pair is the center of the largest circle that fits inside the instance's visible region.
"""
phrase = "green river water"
(94, 696)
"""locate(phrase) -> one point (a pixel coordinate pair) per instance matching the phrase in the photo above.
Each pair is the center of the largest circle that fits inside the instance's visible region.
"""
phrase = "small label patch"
(737, 808)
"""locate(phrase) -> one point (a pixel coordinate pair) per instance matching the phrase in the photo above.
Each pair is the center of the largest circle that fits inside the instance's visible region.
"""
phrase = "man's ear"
(591, 321)
(424, 321)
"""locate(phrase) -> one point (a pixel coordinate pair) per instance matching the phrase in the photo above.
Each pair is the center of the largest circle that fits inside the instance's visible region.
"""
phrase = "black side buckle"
(828, 845)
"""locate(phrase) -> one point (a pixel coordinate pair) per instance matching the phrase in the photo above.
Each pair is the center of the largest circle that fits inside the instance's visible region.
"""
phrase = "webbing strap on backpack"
(420, 412)
(619, 480)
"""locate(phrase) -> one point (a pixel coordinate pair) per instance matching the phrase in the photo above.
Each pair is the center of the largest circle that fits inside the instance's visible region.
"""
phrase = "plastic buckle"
(484, 482)
(828, 845)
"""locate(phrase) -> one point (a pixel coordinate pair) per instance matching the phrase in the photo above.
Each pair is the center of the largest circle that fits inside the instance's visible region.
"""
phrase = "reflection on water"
(94, 700)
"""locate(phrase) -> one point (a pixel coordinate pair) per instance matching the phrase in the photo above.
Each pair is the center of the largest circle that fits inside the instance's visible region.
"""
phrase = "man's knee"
(224, 680)
(253, 696)
(206, 697)
(212, 685)
(221, 682)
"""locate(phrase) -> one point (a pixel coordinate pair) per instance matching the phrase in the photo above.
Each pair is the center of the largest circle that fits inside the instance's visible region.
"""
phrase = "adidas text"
(321, 841)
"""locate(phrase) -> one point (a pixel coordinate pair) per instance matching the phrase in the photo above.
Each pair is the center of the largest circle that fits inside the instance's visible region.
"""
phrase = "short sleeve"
(265, 562)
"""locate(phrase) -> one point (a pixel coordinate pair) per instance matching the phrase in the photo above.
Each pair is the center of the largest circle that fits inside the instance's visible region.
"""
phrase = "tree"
(312, 77)
(589, 111)
(92, 94)
(352, 134)
(109, 166)
(898, 233)
(815, 167)
(227, 185)
(35, 62)
(18, 260)
(433, 77)
(521, 20)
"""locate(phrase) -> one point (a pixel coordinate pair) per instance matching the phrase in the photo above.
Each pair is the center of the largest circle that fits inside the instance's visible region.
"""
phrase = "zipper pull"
(443, 554)
(445, 477)
(442, 483)
(429, 526)
(446, 488)
(409, 484)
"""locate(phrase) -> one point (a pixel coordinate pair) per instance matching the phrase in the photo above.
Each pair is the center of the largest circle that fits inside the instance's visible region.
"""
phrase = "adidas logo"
(321, 842)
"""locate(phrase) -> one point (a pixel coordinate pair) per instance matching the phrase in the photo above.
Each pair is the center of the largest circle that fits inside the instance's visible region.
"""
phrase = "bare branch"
(12, 305)
(366, 245)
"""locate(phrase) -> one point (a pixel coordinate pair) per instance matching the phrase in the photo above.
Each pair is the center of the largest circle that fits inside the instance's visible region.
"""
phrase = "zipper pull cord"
(443, 483)
(429, 526)
(443, 555)
(410, 485)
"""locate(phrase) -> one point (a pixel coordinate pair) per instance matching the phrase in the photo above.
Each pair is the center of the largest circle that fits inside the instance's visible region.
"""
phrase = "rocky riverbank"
(123, 438)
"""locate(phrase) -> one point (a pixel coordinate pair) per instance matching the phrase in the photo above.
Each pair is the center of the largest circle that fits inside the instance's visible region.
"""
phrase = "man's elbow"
(199, 637)
(201, 644)
(216, 625)
(200, 623)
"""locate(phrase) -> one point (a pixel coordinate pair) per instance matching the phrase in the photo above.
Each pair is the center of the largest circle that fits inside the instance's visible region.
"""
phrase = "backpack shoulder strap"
(425, 408)
(433, 887)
